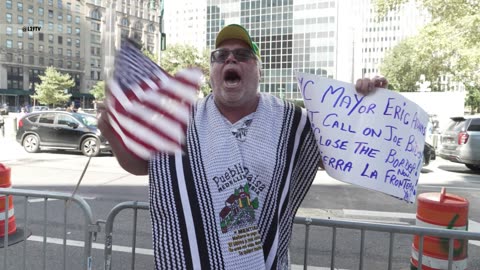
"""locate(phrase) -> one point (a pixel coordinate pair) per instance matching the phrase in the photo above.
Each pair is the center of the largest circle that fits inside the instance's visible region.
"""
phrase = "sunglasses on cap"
(241, 54)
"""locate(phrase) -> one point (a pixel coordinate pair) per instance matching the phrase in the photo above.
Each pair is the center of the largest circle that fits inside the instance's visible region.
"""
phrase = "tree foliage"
(52, 89)
(180, 56)
(98, 91)
(448, 45)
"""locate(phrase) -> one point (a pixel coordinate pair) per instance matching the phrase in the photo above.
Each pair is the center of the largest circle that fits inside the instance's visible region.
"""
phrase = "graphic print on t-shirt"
(240, 133)
(238, 216)
(239, 210)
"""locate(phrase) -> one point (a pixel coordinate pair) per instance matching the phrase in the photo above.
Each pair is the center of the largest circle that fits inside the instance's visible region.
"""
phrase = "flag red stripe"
(121, 110)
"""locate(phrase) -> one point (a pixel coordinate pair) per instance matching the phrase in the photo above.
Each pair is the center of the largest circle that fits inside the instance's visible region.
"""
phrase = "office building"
(72, 38)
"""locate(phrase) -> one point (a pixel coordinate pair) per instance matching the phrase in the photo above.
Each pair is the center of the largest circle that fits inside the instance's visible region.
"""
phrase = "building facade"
(293, 36)
(71, 36)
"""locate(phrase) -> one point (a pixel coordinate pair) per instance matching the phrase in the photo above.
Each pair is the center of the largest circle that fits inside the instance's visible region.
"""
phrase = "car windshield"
(86, 119)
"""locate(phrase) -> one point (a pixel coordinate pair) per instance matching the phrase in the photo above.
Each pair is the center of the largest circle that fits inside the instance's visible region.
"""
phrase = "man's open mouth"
(231, 78)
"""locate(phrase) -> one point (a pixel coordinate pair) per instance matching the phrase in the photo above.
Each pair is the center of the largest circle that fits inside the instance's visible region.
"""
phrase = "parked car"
(61, 130)
(428, 154)
(461, 141)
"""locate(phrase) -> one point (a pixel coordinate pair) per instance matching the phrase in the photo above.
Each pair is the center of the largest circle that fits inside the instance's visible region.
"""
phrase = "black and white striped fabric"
(229, 203)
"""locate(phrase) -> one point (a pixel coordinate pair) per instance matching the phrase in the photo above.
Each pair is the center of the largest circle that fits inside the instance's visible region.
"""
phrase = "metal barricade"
(391, 229)
(363, 227)
(89, 228)
(135, 205)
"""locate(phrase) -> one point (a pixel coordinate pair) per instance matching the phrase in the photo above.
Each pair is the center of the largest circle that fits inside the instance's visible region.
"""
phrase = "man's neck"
(235, 113)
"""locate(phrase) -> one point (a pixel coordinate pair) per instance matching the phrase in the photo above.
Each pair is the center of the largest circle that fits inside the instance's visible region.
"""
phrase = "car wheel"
(90, 147)
(473, 167)
(31, 143)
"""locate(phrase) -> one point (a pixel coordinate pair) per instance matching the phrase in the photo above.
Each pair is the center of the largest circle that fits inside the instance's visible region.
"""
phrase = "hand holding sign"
(373, 141)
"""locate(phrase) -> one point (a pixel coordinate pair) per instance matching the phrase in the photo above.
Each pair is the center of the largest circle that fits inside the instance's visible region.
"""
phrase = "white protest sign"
(373, 141)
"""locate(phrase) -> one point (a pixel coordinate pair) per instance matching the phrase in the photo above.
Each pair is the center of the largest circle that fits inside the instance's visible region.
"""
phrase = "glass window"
(20, 19)
(19, 33)
(47, 118)
(50, 26)
(40, 48)
(8, 4)
(60, 16)
(50, 38)
(40, 36)
(9, 18)
(77, 43)
(77, 19)
(30, 21)
(9, 30)
(69, 18)
(20, 45)
(50, 13)
(77, 31)
(40, 11)
(20, 6)
(40, 22)
(60, 28)
(60, 51)
(69, 41)
(30, 35)
(69, 29)
(60, 39)
(65, 120)
(30, 9)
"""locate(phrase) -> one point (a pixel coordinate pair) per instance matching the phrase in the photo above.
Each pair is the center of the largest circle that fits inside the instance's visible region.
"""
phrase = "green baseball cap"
(236, 31)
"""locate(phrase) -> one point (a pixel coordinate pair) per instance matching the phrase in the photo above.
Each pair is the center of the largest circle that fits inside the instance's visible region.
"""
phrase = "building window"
(60, 39)
(60, 51)
(50, 62)
(19, 33)
(20, 6)
(77, 19)
(40, 22)
(41, 60)
(20, 45)
(30, 46)
(50, 38)
(8, 4)
(40, 11)
(69, 29)
(40, 36)
(50, 26)
(50, 50)
(95, 14)
(77, 43)
(9, 30)
(69, 41)
(9, 17)
(50, 13)
(30, 21)
(60, 28)
(40, 48)
(60, 16)
(30, 35)
(124, 22)
(30, 9)
(69, 53)
(31, 60)
(20, 19)
(77, 31)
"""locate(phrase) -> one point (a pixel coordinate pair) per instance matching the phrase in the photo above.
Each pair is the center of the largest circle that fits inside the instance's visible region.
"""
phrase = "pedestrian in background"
(250, 158)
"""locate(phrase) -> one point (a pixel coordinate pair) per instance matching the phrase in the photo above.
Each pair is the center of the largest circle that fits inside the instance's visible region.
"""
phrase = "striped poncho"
(230, 200)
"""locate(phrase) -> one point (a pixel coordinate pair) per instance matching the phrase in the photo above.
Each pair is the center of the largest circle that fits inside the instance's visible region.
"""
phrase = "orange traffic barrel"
(445, 211)
(7, 214)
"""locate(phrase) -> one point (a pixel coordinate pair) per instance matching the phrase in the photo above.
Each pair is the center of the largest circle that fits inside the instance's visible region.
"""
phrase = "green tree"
(473, 100)
(448, 45)
(179, 56)
(98, 91)
(150, 55)
(52, 89)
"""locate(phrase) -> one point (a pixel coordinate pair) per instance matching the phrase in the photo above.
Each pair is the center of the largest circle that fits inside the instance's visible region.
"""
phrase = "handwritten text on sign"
(373, 141)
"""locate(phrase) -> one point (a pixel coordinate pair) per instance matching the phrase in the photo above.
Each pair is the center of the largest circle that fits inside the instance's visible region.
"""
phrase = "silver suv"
(461, 141)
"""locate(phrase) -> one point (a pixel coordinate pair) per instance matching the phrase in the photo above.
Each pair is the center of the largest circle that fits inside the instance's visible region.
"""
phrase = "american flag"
(148, 108)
